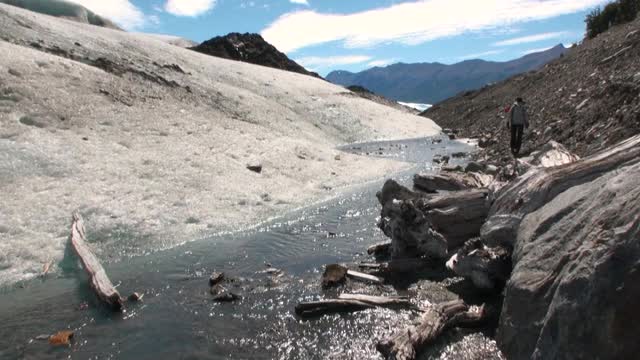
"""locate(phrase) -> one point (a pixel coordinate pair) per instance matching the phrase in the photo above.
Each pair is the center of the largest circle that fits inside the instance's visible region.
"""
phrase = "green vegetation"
(615, 13)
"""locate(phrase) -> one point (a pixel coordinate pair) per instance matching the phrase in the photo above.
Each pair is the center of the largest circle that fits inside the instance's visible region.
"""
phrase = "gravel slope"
(151, 141)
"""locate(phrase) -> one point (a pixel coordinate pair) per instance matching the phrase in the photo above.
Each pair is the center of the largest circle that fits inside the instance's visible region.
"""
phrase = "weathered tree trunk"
(450, 181)
(98, 279)
(408, 343)
(420, 224)
(350, 302)
(459, 215)
(364, 277)
(537, 187)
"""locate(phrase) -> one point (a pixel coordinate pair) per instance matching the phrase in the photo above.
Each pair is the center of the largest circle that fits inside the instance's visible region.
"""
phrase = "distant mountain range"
(251, 48)
(430, 83)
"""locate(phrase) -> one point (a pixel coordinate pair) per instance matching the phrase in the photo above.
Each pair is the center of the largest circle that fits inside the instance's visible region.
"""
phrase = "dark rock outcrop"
(251, 48)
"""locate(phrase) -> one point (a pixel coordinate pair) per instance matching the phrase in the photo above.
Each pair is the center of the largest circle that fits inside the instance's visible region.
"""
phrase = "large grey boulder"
(576, 274)
(549, 155)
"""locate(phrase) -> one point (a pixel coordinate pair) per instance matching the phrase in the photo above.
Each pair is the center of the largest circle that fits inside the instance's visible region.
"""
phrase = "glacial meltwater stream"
(177, 318)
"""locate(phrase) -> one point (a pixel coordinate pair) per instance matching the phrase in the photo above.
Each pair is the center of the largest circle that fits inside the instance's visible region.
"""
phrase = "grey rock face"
(500, 230)
(575, 280)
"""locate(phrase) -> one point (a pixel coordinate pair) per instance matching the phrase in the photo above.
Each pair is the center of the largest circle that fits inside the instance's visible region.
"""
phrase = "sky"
(354, 35)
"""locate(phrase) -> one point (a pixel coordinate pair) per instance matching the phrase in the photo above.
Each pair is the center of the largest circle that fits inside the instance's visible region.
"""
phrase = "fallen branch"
(364, 277)
(450, 181)
(408, 343)
(98, 279)
(349, 303)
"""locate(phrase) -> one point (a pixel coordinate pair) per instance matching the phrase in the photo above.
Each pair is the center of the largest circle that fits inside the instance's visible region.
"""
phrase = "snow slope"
(150, 141)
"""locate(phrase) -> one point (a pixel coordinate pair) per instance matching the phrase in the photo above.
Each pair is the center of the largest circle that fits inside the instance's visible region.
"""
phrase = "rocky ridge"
(587, 100)
(251, 48)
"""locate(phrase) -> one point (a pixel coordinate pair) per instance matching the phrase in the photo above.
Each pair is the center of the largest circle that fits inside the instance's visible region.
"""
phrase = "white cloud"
(412, 23)
(302, 2)
(189, 7)
(329, 61)
(532, 38)
(381, 62)
(480, 55)
(122, 12)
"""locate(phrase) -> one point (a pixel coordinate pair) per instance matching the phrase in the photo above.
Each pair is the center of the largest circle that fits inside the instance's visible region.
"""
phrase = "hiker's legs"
(513, 138)
(519, 132)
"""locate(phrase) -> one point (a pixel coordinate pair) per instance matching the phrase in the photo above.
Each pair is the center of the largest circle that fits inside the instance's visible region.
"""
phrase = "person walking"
(518, 121)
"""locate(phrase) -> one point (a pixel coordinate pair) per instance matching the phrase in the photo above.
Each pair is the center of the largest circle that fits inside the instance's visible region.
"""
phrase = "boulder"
(474, 166)
(552, 154)
(491, 170)
(441, 159)
(576, 258)
(255, 167)
(500, 230)
(549, 155)
(334, 274)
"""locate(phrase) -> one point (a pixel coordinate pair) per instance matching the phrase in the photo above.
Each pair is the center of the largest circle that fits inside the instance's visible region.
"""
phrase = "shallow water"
(178, 319)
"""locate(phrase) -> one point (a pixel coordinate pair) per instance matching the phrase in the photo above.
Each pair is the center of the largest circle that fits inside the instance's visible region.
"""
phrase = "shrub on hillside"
(614, 13)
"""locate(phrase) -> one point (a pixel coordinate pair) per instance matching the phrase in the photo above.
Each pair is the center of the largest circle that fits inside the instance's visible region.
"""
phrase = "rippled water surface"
(179, 320)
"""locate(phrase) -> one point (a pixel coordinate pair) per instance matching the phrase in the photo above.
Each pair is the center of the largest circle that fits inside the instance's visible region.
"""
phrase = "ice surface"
(151, 141)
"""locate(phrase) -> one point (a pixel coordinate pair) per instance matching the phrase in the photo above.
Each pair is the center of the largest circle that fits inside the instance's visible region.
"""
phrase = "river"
(177, 318)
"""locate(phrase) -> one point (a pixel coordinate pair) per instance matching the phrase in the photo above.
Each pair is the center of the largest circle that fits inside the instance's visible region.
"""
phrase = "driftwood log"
(534, 189)
(98, 279)
(450, 181)
(349, 303)
(430, 225)
(364, 277)
(406, 344)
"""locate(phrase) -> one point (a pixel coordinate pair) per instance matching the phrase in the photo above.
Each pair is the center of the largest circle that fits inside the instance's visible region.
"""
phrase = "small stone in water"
(216, 278)
(135, 297)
